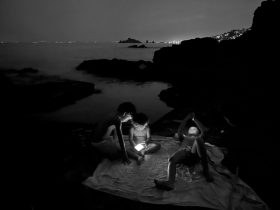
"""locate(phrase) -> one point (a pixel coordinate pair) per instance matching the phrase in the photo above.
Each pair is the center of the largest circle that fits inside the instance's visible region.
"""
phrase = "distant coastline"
(130, 40)
(233, 34)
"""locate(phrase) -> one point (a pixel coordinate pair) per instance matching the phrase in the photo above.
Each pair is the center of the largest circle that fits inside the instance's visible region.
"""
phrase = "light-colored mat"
(136, 182)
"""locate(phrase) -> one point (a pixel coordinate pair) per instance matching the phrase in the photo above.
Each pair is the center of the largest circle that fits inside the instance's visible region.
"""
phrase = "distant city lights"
(175, 42)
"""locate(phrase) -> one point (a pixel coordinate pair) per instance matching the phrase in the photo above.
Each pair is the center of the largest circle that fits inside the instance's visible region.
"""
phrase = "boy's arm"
(109, 131)
(183, 125)
(204, 158)
(121, 142)
(130, 137)
(148, 136)
(199, 147)
(201, 127)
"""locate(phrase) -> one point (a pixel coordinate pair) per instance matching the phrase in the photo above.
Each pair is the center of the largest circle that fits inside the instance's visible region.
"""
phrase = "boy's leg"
(152, 148)
(205, 167)
(131, 154)
(204, 161)
(134, 156)
(178, 157)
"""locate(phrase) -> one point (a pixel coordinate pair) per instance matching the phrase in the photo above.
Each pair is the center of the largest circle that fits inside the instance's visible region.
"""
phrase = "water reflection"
(91, 109)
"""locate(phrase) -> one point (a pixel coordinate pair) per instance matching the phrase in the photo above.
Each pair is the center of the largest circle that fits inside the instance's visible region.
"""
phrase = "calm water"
(61, 59)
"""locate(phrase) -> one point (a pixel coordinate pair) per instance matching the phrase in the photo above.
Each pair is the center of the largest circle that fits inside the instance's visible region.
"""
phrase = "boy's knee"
(170, 159)
(173, 159)
(156, 146)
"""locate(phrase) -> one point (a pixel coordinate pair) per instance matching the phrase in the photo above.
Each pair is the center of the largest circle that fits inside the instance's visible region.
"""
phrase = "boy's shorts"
(188, 158)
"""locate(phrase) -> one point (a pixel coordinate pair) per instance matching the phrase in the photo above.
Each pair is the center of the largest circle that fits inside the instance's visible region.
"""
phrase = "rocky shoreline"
(119, 69)
(28, 90)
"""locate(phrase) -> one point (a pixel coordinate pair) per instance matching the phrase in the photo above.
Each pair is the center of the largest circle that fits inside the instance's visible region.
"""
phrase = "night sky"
(113, 20)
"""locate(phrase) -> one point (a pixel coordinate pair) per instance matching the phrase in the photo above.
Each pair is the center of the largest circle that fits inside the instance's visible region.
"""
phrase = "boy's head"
(126, 110)
(193, 131)
(126, 107)
(140, 121)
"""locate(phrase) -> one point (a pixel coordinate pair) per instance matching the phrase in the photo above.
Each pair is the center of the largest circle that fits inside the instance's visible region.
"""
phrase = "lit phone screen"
(138, 147)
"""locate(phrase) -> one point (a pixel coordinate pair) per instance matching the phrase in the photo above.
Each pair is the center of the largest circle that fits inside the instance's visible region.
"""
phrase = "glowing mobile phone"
(139, 147)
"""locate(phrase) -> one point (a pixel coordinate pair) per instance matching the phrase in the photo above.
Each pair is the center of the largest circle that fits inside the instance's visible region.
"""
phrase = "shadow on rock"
(27, 91)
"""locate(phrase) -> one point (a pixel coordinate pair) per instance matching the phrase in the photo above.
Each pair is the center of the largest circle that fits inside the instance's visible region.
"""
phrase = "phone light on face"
(139, 147)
